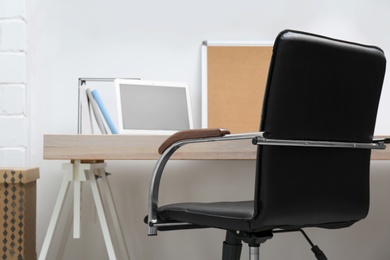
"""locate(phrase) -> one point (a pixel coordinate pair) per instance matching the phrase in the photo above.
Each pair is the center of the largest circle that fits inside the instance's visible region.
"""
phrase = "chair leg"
(231, 247)
(254, 252)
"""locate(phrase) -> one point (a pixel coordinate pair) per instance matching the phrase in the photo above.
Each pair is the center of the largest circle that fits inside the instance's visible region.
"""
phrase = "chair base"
(232, 244)
(231, 247)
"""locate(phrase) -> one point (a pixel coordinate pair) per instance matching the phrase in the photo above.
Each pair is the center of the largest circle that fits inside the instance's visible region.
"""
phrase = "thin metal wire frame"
(83, 81)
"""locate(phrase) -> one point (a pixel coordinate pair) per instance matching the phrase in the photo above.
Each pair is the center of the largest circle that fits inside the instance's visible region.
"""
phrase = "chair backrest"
(318, 89)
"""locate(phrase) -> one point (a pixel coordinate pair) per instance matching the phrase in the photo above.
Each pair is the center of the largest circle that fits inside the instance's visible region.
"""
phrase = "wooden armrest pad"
(192, 134)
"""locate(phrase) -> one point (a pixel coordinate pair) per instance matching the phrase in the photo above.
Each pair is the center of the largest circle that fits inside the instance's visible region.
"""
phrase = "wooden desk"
(141, 147)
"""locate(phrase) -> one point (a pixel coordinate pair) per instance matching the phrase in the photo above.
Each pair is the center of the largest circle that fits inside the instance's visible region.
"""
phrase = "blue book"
(103, 109)
(96, 112)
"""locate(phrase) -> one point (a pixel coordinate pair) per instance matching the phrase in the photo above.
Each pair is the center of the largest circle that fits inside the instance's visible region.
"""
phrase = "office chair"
(314, 146)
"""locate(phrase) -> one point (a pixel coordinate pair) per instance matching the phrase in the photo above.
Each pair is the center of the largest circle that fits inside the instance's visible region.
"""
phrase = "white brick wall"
(12, 100)
(12, 8)
(13, 35)
(14, 121)
(12, 67)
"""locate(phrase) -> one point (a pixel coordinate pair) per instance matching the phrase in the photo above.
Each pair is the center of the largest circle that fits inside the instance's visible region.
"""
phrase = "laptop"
(152, 107)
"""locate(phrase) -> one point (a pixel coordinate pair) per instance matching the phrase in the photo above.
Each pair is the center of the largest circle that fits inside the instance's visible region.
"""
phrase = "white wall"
(161, 40)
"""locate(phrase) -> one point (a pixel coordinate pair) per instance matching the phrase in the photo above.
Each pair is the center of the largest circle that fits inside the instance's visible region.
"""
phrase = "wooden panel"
(236, 79)
(130, 147)
(381, 154)
(95, 147)
(136, 147)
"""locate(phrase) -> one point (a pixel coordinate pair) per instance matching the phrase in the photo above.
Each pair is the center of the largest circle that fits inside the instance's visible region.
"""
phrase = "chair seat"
(225, 215)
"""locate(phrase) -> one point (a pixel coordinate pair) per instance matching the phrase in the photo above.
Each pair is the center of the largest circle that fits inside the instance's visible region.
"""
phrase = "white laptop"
(152, 107)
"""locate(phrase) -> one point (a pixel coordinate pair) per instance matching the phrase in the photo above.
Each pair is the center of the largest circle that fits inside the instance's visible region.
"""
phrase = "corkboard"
(236, 79)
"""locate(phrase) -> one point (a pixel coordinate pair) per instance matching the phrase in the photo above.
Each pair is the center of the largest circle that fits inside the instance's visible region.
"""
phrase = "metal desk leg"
(56, 213)
(78, 177)
(65, 235)
(112, 209)
(77, 172)
(101, 214)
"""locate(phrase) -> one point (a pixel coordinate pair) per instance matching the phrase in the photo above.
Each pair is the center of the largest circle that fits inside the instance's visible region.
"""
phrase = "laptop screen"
(153, 107)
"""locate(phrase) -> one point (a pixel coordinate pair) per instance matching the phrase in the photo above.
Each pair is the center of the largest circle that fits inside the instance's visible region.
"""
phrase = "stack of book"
(102, 117)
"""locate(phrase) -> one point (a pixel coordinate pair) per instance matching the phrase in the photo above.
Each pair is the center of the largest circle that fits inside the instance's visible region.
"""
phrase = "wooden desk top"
(142, 147)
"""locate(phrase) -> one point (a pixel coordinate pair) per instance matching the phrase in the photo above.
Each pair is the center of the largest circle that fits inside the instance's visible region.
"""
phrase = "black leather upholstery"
(225, 215)
(322, 89)
(318, 89)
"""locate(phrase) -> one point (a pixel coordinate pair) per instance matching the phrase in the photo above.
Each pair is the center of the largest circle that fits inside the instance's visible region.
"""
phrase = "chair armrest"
(192, 134)
(375, 144)
(170, 146)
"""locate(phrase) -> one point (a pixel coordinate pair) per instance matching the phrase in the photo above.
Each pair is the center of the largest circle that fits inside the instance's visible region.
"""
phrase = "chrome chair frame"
(257, 138)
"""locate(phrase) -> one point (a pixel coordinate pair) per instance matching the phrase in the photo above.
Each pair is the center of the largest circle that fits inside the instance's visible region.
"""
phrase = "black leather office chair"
(314, 146)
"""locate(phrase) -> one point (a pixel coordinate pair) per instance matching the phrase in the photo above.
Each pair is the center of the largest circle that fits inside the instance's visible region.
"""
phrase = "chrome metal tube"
(307, 143)
(254, 253)
(160, 165)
